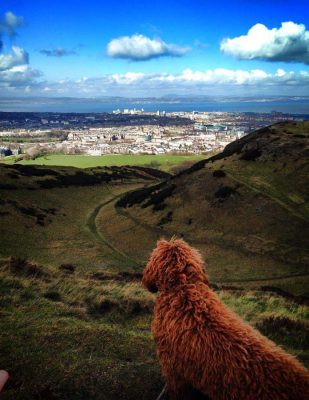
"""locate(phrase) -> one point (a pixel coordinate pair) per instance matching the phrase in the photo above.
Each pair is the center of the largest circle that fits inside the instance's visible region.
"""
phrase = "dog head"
(173, 264)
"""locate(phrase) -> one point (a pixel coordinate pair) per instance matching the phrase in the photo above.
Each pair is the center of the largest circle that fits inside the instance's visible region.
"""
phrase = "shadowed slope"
(246, 209)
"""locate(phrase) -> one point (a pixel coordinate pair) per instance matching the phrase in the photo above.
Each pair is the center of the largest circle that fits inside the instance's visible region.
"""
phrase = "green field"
(164, 162)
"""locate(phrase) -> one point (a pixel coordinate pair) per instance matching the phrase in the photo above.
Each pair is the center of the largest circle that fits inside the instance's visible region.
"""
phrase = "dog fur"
(204, 345)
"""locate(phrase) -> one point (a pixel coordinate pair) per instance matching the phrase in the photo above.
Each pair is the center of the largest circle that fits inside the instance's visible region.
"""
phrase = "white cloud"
(19, 78)
(127, 78)
(18, 56)
(12, 21)
(221, 76)
(15, 72)
(289, 43)
(213, 81)
(142, 48)
(8, 25)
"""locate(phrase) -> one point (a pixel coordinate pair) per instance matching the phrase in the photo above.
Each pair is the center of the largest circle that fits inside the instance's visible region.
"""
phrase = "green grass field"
(164, 162)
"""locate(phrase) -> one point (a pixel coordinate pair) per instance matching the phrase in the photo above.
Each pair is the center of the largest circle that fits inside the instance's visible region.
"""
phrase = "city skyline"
(139, 49)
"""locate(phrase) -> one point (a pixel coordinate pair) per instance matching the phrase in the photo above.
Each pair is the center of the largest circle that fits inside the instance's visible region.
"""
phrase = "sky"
(154, 48)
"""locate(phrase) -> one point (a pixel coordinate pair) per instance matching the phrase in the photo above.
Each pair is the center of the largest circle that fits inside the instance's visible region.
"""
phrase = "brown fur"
(204, 345)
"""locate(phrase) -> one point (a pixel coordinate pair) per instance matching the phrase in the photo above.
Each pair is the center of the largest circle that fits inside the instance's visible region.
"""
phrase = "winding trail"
(120, 255)
(266, 194)
(156, 230)
(278, 278)
(92, 227)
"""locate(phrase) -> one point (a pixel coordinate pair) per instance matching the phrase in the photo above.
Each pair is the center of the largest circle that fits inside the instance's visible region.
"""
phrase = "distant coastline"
(292, 105)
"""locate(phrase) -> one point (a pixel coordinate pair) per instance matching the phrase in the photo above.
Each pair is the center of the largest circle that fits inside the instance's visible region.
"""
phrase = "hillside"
(246, 209)
(48, 214)
(75, 321)
(76, 335)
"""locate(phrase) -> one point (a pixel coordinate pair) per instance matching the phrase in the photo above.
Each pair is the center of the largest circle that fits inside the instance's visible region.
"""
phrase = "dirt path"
(278, 278)
(92, 227)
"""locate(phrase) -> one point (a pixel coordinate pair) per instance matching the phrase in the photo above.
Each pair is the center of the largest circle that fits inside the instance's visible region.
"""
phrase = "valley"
(75, 320)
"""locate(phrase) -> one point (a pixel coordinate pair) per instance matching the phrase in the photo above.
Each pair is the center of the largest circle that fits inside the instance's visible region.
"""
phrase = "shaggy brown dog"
(204, 345)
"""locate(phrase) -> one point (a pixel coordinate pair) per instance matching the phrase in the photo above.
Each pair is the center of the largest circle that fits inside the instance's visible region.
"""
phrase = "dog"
(202, 345)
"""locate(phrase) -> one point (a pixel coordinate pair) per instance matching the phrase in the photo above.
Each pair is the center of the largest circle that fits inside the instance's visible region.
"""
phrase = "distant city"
(127, 131)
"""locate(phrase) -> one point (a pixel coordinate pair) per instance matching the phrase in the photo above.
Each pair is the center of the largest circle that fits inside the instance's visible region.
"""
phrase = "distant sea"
(89, 106)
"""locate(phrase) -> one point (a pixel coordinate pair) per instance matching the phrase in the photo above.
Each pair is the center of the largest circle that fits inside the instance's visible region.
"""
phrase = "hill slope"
(246, 209)
(75, 321)
(48, 214)
(73, 335)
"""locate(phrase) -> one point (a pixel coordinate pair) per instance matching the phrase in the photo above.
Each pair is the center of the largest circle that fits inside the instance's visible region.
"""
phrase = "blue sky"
(139, 48)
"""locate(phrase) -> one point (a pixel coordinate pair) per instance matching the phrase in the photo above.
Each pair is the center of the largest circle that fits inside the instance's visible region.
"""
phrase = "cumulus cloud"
(289, 43)
(18, 56)
(9, 24)
(57, 52)
(19, 79)
(142, 48)
(16, 76)
(255, 82)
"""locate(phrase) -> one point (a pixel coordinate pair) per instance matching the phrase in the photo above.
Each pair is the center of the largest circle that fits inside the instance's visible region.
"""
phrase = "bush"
(7, 186)
(219, 173)
(69, 268)
(97, 307)
(32, 170)
(166, 219)
(157, 198)
(22, 266)
(225, 192)
(52, 295)
(137, 196)
(136, 307)
(251, 155)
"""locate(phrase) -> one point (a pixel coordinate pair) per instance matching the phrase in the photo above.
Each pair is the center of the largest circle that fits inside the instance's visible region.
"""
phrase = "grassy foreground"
(164, 162)
(72, 335)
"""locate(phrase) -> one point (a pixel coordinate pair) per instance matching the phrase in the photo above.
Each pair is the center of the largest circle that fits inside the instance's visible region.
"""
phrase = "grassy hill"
(48, 214)
(75, 321)
(246, 209)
